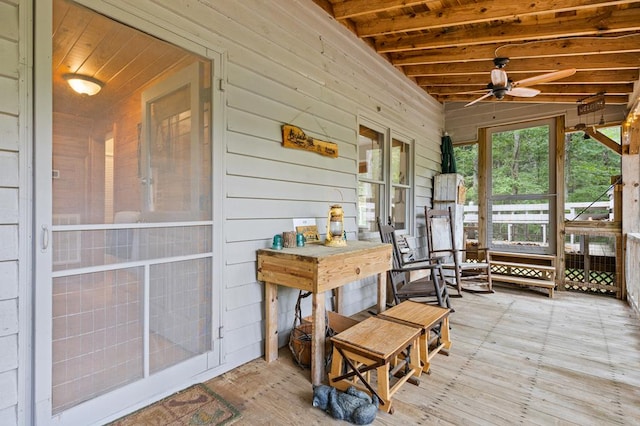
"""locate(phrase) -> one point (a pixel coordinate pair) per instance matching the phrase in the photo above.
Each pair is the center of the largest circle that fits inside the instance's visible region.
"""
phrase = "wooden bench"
(427, 318)
(524, 269)
(390, 348)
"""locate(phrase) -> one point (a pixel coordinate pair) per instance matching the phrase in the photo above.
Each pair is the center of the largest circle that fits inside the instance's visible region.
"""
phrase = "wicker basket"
(300, 344)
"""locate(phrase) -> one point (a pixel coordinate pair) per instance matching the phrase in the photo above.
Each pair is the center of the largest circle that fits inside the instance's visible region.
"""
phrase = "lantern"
(335, 227)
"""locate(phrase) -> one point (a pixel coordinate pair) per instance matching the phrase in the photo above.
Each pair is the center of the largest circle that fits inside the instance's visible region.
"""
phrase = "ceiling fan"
(501, 85)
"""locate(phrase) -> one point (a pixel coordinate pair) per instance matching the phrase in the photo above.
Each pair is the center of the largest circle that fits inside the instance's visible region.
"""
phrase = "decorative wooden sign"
(294, 137)
(591, 104)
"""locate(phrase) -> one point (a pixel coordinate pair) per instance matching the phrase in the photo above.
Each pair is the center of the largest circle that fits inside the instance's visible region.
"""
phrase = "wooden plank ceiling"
(447, 47)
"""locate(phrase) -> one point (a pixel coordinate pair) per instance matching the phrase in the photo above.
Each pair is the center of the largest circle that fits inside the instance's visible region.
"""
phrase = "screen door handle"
(45, 237)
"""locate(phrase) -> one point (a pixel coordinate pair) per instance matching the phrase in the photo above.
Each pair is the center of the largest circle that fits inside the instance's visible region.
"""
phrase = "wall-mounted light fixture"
(84, 84)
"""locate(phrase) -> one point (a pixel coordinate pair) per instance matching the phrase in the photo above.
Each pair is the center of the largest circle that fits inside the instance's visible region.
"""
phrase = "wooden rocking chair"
(431, 289)
(473, 276)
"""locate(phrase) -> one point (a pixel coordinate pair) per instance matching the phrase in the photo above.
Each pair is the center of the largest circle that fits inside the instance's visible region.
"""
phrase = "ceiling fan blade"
(486, 95)
(545, 78)
(523, 92)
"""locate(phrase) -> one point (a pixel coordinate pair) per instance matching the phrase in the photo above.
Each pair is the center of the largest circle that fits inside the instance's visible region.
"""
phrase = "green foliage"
(467, 166)
(520, 161)
(520, 164)
(588, 167)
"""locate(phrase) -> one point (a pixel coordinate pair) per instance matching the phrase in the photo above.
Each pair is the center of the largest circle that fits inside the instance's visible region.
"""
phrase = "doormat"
(196, 405)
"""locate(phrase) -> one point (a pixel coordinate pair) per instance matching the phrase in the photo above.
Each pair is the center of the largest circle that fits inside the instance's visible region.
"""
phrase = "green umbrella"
(448, 159)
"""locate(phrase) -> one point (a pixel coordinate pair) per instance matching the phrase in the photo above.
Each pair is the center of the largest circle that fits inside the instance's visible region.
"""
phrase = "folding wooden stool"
(426, 318)
(390, 348)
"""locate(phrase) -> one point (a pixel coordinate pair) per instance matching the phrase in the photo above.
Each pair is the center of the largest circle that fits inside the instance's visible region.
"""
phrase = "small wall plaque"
(294, 137)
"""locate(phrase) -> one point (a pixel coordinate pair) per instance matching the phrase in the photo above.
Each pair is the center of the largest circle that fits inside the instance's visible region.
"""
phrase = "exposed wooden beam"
(484, 11)
(448, 47)
(325, 5)
(534, 49)
(560, 89)
(602, 77)
(583, 63)
(351, 8)
(608, 22)
(604, 140)
(541, 98)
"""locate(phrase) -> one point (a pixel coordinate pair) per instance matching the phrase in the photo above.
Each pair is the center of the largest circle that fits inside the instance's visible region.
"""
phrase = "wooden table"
(425, 317)
(317, 268)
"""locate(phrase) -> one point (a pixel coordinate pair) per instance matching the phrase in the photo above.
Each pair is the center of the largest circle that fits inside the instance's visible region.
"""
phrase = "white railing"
(538, 213)
(633, 271)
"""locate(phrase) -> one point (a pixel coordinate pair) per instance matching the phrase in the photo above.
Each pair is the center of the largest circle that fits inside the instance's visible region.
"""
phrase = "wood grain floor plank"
(518, 358)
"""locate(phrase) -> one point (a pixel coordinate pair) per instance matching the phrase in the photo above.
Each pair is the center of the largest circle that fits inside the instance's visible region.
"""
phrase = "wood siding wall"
(289, 63)
(285, 62)
(11, 245)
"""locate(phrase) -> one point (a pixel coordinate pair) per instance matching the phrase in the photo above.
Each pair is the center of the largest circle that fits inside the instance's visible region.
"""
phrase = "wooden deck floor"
(517, 357)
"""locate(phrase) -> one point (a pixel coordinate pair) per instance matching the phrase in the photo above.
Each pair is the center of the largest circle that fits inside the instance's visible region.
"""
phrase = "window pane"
(369, 196)
(399, 208)
(520, 161)
(170, 152)
(400, 162)
(176, 164)
(370, 145)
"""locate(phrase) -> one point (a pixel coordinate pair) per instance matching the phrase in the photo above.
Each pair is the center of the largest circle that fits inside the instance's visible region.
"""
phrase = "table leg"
(318, 329)
(337, 297)
(445, 336)
(271, 322)
(382, 292)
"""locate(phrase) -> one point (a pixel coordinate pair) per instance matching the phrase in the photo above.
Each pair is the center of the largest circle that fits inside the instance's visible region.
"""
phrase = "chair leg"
(458, 280)
(438, 289)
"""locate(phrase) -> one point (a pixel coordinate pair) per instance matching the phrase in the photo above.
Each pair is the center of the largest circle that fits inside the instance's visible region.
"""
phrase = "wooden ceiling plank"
(351, 8)
(66, 36)
(627, 20)
(475, 13)
(534, 49)
(582, 63)
(584, 77)
(585, 89)
(101, 44)
(127, 54)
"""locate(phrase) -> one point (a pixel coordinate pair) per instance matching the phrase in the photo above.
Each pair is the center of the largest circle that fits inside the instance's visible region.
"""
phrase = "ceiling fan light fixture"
(83, 84)
(499, 78)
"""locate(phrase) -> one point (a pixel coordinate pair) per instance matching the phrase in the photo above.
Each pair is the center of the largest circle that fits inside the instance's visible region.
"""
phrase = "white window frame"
(389, 134)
